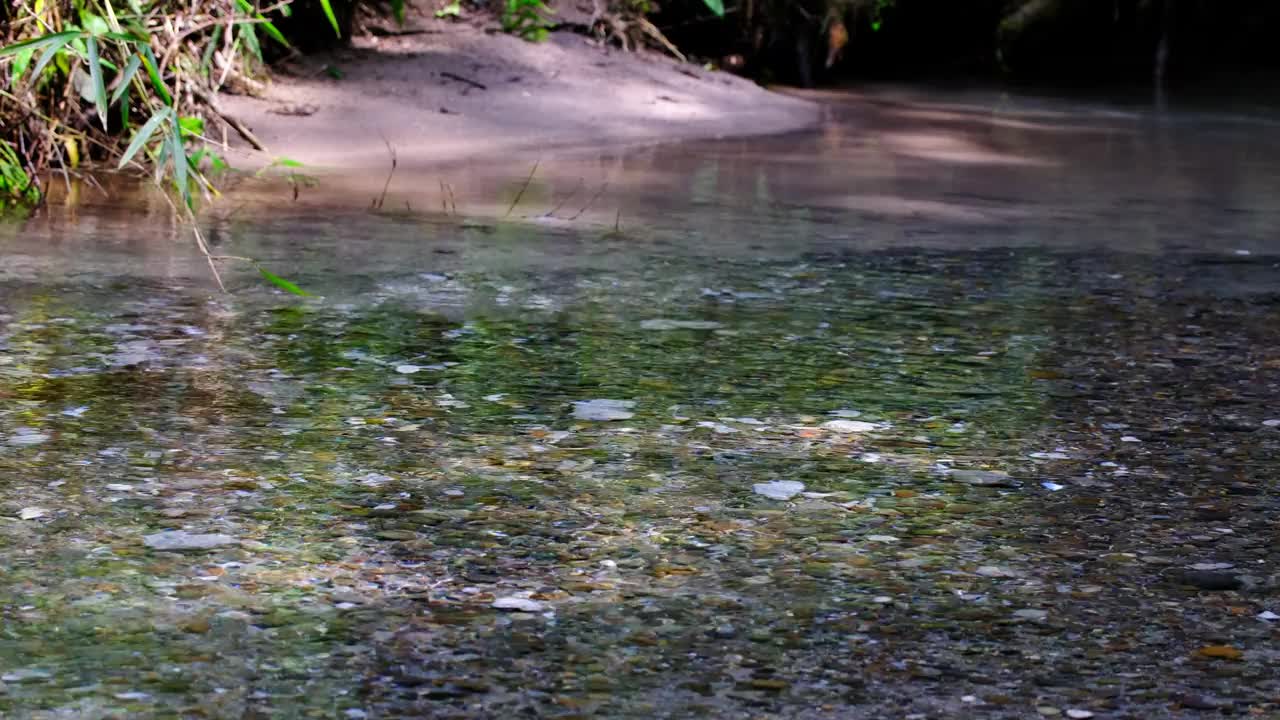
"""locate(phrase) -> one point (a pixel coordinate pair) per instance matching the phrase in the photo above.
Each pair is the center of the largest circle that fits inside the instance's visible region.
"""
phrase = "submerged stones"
(849, 427)
(983, 478)
(1210, 579)
(603, 410)
(180, 540)
(669, 324)
(518, 604)
(779, 489)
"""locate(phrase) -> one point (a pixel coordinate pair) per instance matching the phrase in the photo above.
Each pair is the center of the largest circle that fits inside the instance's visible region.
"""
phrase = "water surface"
(1021, 354)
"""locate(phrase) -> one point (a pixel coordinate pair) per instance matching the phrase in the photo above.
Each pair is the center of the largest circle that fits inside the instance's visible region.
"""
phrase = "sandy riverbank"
(442, 92)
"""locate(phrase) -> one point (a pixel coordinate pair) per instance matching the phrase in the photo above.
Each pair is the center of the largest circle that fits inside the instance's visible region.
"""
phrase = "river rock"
(518, 604)
(849, 426)
(177, 540)
(668, 324)
(1211, 579)
(985, 478)
(603, 410)
(779, 489)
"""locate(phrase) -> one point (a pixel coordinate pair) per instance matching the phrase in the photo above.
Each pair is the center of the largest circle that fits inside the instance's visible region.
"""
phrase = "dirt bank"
(440, 92)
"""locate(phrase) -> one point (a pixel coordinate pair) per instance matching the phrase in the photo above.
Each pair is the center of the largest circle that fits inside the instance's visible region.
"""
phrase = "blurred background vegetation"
(136, 82)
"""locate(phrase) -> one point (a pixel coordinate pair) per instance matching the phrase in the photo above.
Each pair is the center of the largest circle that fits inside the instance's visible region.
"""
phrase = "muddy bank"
(442, 92)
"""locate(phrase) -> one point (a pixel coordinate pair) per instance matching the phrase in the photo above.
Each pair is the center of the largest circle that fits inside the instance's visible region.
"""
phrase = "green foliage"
(530, 19)
(94, 51)
(715, 6)
(15, 184)
(281, 283)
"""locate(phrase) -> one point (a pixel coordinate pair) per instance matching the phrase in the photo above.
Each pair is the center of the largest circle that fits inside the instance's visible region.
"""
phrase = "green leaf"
(715, 6)
(133, 36)
(191, 125)
(267, 25)
(20, 63)
(328, 12)
(180, 161)
(126, 77)
(95, 79)
(249, 34)
(397, 9)
(95, 25)
(49, 52)
(153, 70)
(144, 134)
(37, 43)
(286, 162)
(282, 283)
(206, 58)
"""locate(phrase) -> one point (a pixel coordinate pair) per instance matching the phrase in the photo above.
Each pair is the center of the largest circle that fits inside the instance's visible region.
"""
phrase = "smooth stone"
(779, 489)
(182, 540)
(1210, 580)
(983, 478)
(849, 426)
(518, 604)
(669, 324)
(603, 410)
(28, 439)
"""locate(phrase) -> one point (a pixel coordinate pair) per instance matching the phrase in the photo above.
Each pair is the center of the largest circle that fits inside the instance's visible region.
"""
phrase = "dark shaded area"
(1045, 41)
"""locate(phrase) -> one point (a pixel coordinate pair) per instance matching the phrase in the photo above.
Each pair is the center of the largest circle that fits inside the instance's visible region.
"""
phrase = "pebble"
(28, 439)
(985, 478)
(779, 489)
(849, 426)
(518, 604)
(1202, 702)
(182, 540)
(31, 513)
(407, 369)
(668, 324)
(603, 410)
(1211, 580)
(1077, 714)
(26, 675)
(1031, 614)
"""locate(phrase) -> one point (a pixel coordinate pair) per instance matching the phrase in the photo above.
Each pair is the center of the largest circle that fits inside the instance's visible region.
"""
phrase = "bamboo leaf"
(40, 42)
(144, 134)
(328, 12)
(282, 283)
(266, 24)
(20, 64)
(126, 77)
(153, 70)
(95, 80)
(49, 52)
(715, 6)
(179, 156)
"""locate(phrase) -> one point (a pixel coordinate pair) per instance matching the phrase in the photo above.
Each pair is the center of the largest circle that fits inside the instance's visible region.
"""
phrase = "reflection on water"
(970, 331)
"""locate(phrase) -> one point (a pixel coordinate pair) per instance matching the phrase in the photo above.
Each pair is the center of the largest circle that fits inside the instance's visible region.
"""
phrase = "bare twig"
(464, 80)
(229, 119)
(567, 198)
(383, 197)
(590, 202)
(523, 188)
